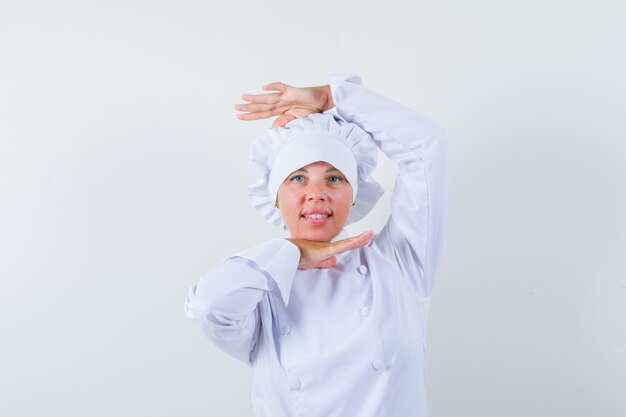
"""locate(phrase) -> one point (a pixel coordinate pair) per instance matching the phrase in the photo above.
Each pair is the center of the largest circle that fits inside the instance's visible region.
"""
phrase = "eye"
(335, 179)
(297, 178)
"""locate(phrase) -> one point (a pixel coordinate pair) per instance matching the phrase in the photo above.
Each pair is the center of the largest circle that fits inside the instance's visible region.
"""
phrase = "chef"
(334, 326)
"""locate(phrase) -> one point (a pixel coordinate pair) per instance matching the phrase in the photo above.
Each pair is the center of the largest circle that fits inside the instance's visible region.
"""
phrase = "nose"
(315, 191)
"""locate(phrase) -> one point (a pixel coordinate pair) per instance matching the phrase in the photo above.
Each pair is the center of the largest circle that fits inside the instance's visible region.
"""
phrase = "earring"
(276, 204)
(354, 202)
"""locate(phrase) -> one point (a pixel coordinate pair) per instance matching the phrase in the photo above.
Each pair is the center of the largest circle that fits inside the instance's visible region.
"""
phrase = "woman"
(334, 326)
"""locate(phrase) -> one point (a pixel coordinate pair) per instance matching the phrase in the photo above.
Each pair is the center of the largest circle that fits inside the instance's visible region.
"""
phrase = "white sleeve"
(224, 303)
(414, 236)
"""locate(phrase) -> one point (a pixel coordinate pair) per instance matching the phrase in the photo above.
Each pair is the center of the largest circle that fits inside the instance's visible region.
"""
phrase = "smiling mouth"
(316, 216)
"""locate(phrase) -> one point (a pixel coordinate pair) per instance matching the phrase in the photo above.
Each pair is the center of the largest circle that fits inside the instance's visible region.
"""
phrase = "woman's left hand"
(314, 254)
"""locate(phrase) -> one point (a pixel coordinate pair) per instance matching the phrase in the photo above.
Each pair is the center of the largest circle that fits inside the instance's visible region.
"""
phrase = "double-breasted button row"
(378, 364)
(295, 384)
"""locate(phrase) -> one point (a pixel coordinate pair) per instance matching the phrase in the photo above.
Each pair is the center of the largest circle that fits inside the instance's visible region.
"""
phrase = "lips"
(316, 217)
(316, 213)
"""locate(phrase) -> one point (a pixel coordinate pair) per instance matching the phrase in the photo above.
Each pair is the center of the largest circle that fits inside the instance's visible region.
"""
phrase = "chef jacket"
(346, 341)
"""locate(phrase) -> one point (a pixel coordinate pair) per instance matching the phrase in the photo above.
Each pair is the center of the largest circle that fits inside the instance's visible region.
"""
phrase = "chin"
(317, 235)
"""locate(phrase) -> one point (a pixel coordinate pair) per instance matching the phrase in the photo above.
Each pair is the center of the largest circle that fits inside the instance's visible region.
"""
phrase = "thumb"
(326, 263)
(276, 86)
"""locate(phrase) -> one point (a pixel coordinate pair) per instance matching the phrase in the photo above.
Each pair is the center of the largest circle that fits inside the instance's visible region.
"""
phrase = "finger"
(250, 107)
(365, 237)
(262, 98)
(255, 116)
(283, 120)
(351, 243)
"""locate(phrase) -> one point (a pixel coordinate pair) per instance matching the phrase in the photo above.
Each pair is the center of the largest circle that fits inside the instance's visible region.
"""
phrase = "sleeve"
(414, 236)
(224, 303)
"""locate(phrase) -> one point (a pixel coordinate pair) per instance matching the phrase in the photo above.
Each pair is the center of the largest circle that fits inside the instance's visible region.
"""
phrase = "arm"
(223, 304)
(415, 234)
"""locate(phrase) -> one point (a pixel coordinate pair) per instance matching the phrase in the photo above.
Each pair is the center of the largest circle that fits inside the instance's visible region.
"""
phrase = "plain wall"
(123, 175)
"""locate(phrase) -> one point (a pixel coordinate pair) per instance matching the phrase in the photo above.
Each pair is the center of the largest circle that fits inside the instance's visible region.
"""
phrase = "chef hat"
(317, 137)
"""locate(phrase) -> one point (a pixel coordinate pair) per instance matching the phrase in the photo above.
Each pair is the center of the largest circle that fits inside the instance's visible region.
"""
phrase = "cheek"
(289, 204)
(347, 194)
(344, 202)
(288, 199)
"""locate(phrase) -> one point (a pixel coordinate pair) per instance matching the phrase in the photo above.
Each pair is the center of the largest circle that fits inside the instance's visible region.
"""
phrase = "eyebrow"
(328, 170)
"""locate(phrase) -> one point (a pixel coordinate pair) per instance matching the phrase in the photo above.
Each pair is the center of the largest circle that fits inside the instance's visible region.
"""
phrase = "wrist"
(327, 97)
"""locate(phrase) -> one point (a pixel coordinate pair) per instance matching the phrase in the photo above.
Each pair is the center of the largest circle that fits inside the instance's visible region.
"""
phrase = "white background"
(123, 175)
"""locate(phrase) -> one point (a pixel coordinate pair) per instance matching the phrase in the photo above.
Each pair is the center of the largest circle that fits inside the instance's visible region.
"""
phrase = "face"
(315, 201)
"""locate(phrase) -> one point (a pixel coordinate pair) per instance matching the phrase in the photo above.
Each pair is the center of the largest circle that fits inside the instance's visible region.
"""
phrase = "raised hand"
(314, 254)
(288, 103)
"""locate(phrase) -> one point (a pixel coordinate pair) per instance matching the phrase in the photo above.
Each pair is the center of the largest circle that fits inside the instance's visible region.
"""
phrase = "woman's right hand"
(315, 254)
(289, 103)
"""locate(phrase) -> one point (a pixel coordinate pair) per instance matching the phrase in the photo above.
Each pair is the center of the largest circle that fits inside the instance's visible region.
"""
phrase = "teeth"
(316, 216)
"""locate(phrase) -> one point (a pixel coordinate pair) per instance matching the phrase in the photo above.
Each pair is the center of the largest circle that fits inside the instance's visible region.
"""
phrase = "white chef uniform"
(348, 341)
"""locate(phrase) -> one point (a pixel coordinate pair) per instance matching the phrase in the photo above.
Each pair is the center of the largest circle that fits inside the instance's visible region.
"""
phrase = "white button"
(294, 384)
(285, 330)
(362, 269)
(378, 364)
(365, 310)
